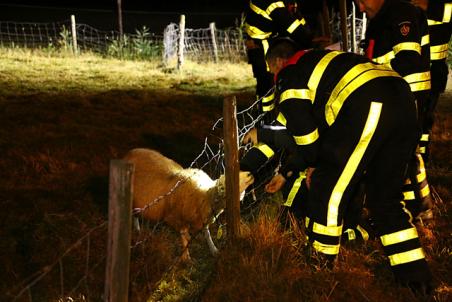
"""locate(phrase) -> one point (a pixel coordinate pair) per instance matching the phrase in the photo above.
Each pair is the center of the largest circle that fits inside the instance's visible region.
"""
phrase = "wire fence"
(200, 45)
(78, 273)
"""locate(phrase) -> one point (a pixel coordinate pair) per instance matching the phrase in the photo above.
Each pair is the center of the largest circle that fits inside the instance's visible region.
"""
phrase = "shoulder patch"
(405, 28)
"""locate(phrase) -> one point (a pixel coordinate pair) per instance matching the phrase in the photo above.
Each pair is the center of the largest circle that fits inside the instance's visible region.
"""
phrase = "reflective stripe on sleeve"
(307, 139)
(295, 25)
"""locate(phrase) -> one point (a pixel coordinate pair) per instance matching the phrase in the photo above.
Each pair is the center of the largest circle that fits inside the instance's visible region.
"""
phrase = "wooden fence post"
(180, 50)
(119, 231)
(74, 35)
(343, 16)
(231, 167)
(214, 41)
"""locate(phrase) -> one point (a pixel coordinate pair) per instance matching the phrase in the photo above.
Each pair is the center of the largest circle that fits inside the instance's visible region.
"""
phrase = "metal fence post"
(74, 35)
(214, 41)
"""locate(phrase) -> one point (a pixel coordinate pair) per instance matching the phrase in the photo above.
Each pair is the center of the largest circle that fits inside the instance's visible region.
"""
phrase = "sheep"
(185, 199)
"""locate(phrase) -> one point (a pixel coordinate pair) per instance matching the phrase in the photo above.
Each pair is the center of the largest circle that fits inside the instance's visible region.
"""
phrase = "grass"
(63, 118)
(31, 71)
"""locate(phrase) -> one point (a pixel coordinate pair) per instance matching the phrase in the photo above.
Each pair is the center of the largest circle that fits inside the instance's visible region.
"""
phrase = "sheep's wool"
(202, 180)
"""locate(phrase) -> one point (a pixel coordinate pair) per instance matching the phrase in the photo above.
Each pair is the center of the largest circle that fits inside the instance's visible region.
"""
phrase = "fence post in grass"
(74, 35)
(180, 50)
(231, 168)
(343, 16)
(214, 41)
(119, 231)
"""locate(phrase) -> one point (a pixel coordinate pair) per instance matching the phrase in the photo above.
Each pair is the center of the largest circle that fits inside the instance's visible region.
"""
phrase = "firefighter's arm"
(406, 39)
(295, 27)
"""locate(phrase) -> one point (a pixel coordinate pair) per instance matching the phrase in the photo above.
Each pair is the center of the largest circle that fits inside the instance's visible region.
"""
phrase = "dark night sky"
(144, 5)
(155, 14)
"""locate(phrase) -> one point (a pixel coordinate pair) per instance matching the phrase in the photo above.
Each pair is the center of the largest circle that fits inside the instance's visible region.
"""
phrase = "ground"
(56, 148)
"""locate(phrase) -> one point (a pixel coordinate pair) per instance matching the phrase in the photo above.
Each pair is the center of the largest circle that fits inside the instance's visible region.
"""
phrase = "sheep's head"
(245, 180)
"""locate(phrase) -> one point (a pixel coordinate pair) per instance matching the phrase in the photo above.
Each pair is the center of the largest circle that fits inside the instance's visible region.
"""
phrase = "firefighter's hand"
(275, 184)
(250, 137)
(308, 176)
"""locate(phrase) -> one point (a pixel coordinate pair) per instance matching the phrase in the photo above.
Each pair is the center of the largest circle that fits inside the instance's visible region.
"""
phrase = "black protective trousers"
(371, 140)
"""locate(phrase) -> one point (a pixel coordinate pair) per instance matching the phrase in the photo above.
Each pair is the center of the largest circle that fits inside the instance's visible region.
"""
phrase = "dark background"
(155, 14)
(102, 14)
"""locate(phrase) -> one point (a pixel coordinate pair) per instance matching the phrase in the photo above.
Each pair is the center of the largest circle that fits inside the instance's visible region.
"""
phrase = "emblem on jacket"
(405, 28)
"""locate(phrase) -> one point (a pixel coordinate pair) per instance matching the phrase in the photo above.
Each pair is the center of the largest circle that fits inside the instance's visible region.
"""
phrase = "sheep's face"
(245, 180)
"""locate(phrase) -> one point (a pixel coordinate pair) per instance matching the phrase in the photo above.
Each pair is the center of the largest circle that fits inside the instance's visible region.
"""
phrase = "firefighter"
(296, 189)
(264, 20)
(348, 117)
(397, 36)
(440, 30)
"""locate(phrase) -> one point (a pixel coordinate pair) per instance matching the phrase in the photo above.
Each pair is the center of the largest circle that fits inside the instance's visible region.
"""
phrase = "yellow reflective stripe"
(420, 86)
(433, 22)
(294, 190)
(268, 108)
(425, 40)
(409, 195)
(406, 257)
(307, 139)
(295, 25)
(438, 56)
(335, 230)
(280, 118)
(412, 46)
(422, 150)
(398, 237)
(307, 222)
(318, 71)
(439, 48)
(274, 6)
(425, 137)
(425, 191)
(304, 94)
(256, 33)
(439, 52)
(265, 149)
(265, 45)
(353, 162)
(421, 176)
(384, 59)
(326, 248)
(350, 234)
(363, 232)
(268, 99)
(259, 11)
(417, 77)
(447, 12)
(352, 80)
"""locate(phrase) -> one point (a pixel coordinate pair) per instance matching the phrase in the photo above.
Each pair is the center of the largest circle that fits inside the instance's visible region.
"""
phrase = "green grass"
(30, 71)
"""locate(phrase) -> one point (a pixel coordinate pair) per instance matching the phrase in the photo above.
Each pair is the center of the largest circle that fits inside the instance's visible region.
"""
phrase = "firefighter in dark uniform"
(348, 118)
(440, 30)
(265, 19)
(397, 36)
(296, 188)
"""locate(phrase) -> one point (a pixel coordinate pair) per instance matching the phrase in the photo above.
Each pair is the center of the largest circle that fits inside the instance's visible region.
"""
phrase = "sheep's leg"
(213, 249)
(185, 239)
